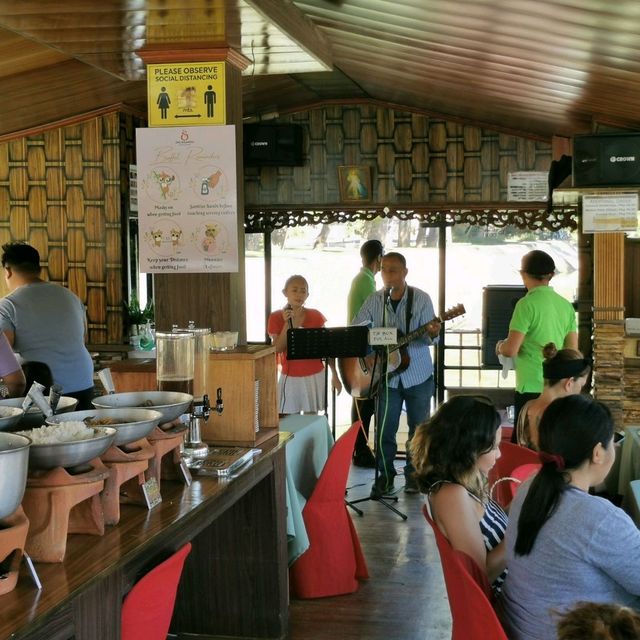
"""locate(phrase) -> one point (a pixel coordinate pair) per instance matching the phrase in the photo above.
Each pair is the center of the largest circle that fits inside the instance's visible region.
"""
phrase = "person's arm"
(12, 377)
(510, 345)
(335, 380)
(279, 339)
(456, 515)
(571, 340)
(16, 383)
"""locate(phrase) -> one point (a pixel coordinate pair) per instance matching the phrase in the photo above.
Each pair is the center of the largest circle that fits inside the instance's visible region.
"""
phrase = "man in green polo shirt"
(362, 286)
(542, 316)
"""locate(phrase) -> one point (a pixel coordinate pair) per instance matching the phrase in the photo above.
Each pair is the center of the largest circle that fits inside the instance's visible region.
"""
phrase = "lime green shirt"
(362, 286)
(543, 316)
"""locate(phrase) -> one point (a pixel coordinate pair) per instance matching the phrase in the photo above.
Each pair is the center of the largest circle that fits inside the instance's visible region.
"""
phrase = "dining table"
(305, 456)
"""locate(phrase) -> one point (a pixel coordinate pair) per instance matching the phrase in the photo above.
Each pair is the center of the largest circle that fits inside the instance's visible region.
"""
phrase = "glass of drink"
(175, 354)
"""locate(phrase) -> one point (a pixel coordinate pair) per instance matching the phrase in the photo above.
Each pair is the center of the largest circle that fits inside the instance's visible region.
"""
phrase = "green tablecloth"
(306, 454)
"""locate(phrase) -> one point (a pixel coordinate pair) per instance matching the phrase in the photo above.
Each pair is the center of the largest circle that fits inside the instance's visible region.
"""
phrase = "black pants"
(519, 400)
(367, 407)
(84, 397)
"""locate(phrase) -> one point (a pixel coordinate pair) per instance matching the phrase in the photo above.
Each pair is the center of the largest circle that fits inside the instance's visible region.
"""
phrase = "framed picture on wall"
(355, 183)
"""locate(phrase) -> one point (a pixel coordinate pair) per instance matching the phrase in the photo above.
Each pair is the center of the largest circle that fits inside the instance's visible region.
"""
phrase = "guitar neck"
(412, 335)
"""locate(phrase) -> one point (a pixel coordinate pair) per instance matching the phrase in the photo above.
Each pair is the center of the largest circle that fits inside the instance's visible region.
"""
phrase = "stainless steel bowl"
(14, 414)
(130, 424)
(71, 454)
(14, 456)
(33, 417)
(170, 404)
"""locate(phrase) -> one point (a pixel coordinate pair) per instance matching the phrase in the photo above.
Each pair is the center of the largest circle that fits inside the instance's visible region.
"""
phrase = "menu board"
(607, 212)
(187, 199)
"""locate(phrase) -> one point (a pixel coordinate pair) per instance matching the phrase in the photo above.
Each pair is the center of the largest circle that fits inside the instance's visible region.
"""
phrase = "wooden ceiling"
(535, 66)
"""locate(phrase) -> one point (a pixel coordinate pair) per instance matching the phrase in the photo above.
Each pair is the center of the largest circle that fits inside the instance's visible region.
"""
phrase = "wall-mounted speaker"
(606, 160)
(276, 145)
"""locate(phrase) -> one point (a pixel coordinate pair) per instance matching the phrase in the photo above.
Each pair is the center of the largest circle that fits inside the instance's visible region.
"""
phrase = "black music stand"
(325, 343)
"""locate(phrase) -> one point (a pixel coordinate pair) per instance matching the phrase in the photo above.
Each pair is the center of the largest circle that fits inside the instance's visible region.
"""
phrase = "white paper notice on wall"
(607, 212)
(528, 186)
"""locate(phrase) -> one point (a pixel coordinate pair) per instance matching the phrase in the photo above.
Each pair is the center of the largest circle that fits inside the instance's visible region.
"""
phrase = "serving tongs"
(107, 380)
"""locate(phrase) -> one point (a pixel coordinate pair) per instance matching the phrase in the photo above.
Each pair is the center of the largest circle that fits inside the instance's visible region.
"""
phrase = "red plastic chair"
(147, 609)
(469, 593)
(522, 473)
(512, 456)
(334, 562)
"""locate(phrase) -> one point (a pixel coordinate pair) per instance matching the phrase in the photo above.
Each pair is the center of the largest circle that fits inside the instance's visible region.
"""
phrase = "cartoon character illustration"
(187, 99)
(155, 237)
(164, 179)
(209, 242)
(176, 237)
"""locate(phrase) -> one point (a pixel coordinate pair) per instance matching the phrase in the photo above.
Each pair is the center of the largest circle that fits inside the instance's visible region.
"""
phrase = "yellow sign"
(186, 94)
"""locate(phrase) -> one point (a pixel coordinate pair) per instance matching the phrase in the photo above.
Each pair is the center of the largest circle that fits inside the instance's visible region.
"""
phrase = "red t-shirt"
(313, 319)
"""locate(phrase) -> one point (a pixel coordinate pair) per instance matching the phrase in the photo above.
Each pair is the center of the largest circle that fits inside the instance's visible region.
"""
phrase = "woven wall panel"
(62, 191)
(413, 158)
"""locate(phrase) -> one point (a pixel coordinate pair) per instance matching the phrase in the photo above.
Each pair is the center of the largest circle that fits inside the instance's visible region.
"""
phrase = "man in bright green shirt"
(542, 316)
(362, 286)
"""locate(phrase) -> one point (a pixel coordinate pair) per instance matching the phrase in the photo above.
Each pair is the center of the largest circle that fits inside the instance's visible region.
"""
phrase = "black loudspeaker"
(606, 160)
(276, 145)
(498, 302)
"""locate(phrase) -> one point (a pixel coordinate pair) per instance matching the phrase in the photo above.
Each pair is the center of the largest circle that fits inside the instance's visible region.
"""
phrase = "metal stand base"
(384, 500)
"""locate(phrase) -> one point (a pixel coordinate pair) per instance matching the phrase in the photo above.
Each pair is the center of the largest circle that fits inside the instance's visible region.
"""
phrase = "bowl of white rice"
(10, 417)
(130, 424)
(67, 444)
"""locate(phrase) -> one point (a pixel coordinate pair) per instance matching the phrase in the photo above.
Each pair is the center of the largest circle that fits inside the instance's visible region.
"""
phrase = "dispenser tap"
(219, 402)
(202, 409)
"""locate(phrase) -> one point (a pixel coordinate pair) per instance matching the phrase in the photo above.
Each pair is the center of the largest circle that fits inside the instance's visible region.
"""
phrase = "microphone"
(387, 294)
(290, 308)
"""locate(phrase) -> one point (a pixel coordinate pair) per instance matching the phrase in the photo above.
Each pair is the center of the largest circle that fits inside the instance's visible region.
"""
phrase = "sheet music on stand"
(328, 342)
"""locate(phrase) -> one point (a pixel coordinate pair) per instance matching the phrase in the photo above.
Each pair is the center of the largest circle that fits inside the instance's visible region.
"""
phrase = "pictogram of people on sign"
(210, 100)
(163, 102)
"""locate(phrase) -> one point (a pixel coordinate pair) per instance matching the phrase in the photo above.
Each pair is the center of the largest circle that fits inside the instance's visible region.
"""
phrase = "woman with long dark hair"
(565, 372)
(453, 453)
(563, 544)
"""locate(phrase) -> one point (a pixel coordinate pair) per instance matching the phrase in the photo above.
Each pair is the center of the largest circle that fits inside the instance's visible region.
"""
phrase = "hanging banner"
(607, 212)
(181, 94)
(187, 200)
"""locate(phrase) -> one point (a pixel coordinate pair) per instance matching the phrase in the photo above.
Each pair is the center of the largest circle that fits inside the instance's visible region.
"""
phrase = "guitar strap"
(409, 305)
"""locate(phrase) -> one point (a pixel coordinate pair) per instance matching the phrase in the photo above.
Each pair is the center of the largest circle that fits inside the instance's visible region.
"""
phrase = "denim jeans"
(417, 400)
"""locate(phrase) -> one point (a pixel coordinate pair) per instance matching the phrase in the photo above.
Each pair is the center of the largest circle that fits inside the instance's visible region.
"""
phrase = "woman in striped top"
(453, 453)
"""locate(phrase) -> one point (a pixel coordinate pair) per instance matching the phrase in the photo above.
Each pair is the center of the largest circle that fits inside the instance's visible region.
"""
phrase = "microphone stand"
(382, 357)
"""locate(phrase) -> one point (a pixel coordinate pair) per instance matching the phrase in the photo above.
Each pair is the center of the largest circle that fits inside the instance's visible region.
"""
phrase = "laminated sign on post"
(191, 93)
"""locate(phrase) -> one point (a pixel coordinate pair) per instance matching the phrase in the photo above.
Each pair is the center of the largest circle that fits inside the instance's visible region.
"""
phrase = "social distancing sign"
(186, 94)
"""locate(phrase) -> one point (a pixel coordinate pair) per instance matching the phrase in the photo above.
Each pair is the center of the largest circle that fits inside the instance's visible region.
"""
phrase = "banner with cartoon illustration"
(187, 201)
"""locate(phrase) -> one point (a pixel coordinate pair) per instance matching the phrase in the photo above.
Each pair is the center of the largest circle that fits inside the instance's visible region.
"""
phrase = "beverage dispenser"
(194, 447)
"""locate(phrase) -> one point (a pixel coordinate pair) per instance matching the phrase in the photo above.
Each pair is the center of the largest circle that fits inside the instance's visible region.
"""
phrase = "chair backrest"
(521, 473)
(147, 609)
(332, 482)
(468, 590)
(512, 456)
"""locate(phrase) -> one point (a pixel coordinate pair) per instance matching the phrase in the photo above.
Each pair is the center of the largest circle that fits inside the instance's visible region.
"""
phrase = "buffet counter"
(234, 581)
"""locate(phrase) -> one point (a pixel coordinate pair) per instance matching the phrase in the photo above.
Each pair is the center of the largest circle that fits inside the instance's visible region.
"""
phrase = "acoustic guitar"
(361, 376)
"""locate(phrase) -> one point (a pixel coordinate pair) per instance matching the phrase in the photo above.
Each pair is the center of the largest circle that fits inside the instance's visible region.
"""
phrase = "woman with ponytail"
(563, 544)
(565, 372)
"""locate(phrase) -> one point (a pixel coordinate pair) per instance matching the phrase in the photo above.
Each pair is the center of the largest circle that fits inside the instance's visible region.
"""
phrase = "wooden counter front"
(235, 581)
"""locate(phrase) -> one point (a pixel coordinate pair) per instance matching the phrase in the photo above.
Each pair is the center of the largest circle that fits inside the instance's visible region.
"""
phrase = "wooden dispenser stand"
(235, 372)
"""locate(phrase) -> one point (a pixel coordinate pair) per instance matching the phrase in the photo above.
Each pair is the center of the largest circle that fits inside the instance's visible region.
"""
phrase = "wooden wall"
(414, 158)
(62, 190)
